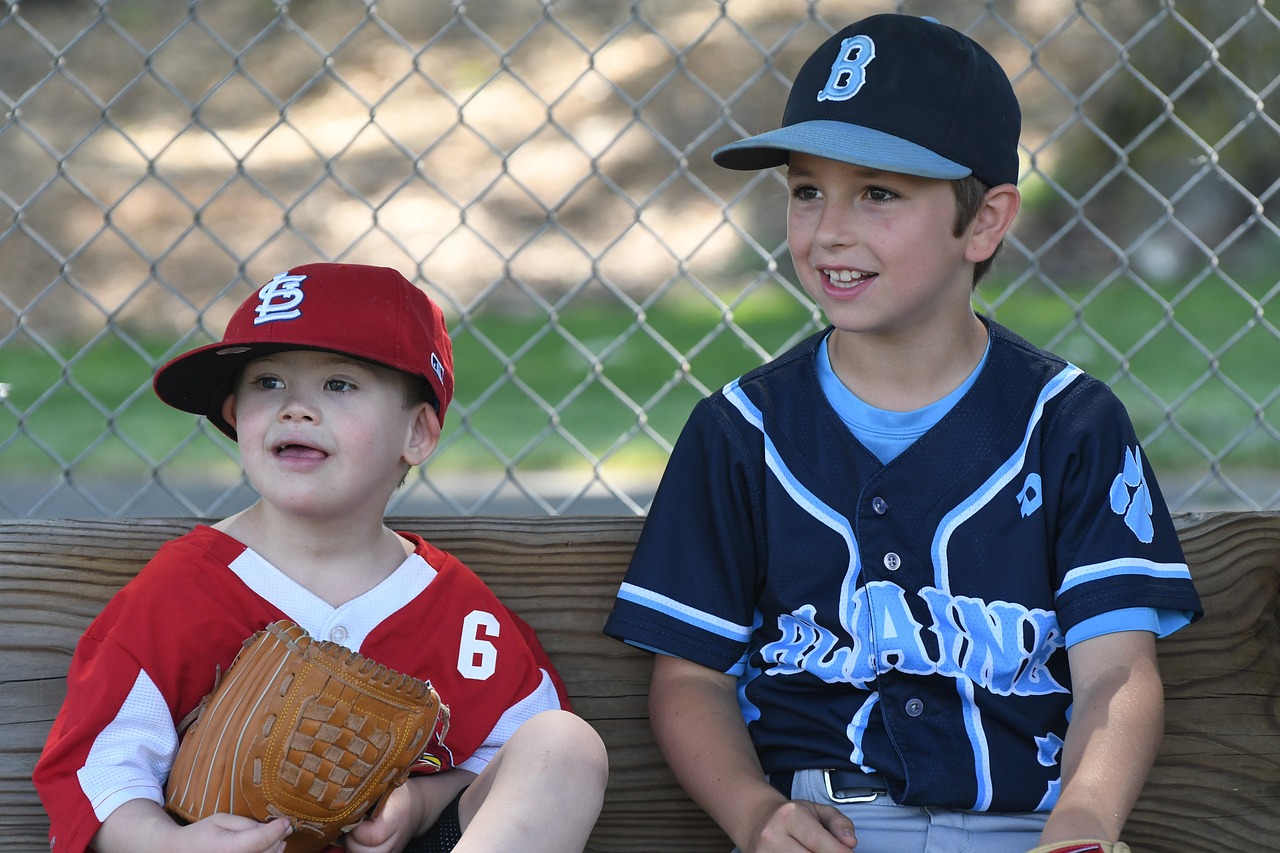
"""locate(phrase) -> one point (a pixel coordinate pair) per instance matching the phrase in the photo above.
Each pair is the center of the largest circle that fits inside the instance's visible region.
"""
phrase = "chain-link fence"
(542, 168)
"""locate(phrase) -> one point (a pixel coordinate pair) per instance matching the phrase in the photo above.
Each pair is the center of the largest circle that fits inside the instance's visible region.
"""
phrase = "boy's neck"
(336, 561)
(906, 373)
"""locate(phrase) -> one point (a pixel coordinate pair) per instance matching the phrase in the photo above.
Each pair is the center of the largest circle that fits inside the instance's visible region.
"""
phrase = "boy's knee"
(569, 738)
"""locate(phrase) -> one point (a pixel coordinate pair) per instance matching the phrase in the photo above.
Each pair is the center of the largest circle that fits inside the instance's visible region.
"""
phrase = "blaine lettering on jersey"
(999, 645)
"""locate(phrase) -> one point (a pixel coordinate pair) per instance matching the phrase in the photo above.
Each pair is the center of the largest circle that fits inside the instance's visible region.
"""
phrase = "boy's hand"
(814, 827)
(228, 833)
(390, 831)
(140, 826)
(410, 811)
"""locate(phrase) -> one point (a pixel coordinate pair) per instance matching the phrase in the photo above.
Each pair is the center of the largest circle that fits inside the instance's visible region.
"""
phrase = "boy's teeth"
(843, 276)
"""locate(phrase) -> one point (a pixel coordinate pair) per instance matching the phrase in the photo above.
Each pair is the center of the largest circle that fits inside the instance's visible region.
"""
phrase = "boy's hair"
(369, 313)
(418, 390)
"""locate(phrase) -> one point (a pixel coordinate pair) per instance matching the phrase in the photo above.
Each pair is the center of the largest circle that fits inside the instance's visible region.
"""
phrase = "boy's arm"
(697, 723)
(140, 826)
(1117, 721)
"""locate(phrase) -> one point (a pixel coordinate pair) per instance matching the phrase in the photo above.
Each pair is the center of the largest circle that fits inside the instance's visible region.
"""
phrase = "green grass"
(579, 378)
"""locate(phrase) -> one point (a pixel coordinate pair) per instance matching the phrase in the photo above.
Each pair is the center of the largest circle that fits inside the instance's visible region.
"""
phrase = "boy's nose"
(836, 227)
(298, 407)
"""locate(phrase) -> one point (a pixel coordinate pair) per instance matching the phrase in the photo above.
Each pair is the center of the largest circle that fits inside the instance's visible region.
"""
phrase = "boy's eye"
(267, 383)
(880, 194)
(339, 385)
(805, 192)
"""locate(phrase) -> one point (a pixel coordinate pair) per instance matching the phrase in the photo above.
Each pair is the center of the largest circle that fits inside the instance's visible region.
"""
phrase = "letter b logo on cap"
(849, 71)
(279, 299)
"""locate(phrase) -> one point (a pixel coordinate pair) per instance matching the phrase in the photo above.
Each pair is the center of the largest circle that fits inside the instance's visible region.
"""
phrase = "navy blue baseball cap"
(901, 94)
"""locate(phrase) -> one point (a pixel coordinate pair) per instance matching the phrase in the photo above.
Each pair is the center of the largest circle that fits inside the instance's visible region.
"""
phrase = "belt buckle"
(868, 794)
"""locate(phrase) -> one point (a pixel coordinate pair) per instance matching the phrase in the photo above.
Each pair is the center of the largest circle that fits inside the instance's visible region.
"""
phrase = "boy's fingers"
(838, 825)
(817, 828)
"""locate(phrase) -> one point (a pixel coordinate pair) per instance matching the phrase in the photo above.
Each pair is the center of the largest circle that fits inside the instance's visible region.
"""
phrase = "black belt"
(843, 786)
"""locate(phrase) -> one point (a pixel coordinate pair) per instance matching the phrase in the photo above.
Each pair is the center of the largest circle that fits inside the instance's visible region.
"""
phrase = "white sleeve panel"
(544, 698)
(131, 757)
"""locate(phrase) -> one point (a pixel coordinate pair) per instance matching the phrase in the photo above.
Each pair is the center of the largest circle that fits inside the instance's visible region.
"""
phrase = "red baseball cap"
(372, 313)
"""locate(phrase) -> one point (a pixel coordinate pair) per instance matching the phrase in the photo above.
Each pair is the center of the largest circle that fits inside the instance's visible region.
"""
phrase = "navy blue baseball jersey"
(907, 618)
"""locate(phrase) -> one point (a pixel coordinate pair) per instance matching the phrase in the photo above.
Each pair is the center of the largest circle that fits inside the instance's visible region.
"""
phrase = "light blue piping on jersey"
(942, 571)
(804, 498)
(827, 516)
(980, 498)
(683, 613)
(1160, 621)
(1129, 566)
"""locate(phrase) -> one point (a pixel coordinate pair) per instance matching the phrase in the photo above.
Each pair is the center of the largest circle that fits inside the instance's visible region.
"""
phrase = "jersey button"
(914, 707)
(338, 635)
(892, 561)
(879, 505)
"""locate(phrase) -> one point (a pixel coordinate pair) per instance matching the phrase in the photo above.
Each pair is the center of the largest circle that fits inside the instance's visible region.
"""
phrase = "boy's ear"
(229, 410)
(995, 217)
(424, 435)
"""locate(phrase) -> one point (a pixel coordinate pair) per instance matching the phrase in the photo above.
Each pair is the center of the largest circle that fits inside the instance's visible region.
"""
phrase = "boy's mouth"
(846, 278)
(299, 451)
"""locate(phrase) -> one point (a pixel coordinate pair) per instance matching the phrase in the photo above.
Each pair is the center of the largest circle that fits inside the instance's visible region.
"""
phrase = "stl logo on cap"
(849, 71)
(280, 299)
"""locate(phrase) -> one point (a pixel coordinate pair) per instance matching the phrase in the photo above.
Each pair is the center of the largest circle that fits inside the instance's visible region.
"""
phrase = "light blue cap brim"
(841, 141)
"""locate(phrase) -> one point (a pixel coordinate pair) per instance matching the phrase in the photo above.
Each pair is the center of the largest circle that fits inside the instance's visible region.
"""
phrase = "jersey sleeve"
(484, 661)
(691, 586)
(1116, 544)
(114, 741)
(141, 665)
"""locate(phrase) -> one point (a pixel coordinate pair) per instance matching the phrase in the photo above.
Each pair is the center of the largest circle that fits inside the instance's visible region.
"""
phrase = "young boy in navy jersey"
(904, 581)
(333, 379)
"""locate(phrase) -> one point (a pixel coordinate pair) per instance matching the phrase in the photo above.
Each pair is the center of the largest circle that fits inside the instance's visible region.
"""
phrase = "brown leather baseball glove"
(303, 729)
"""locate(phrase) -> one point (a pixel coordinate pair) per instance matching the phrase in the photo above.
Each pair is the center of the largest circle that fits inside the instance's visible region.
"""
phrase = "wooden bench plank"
(1216, 784)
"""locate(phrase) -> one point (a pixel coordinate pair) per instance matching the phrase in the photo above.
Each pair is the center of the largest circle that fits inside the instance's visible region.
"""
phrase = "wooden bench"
(1216, 784)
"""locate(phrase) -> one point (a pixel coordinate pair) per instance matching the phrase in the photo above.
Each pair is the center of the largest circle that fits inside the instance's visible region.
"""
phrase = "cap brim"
(841, 141)
(200, 380)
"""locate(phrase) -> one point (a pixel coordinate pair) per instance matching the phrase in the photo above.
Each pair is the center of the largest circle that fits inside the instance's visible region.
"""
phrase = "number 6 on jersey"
(477, 657)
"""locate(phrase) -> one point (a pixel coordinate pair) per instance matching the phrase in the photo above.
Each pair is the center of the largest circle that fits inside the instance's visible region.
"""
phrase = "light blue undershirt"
(886, 434)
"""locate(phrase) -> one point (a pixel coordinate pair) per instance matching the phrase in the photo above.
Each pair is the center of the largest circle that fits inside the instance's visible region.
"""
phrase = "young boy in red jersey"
(334, 380)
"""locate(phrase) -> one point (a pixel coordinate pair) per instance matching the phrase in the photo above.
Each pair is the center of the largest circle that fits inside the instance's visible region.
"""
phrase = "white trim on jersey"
(997, 481)
(826, 516)
(671, 607)
(131, 756)
(543, 698)
(857, 727)
(803, 498)
(355, 618)
(942, 574)
(1123, 566)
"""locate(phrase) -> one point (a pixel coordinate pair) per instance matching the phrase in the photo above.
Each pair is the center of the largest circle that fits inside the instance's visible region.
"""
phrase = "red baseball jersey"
(154, 651)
